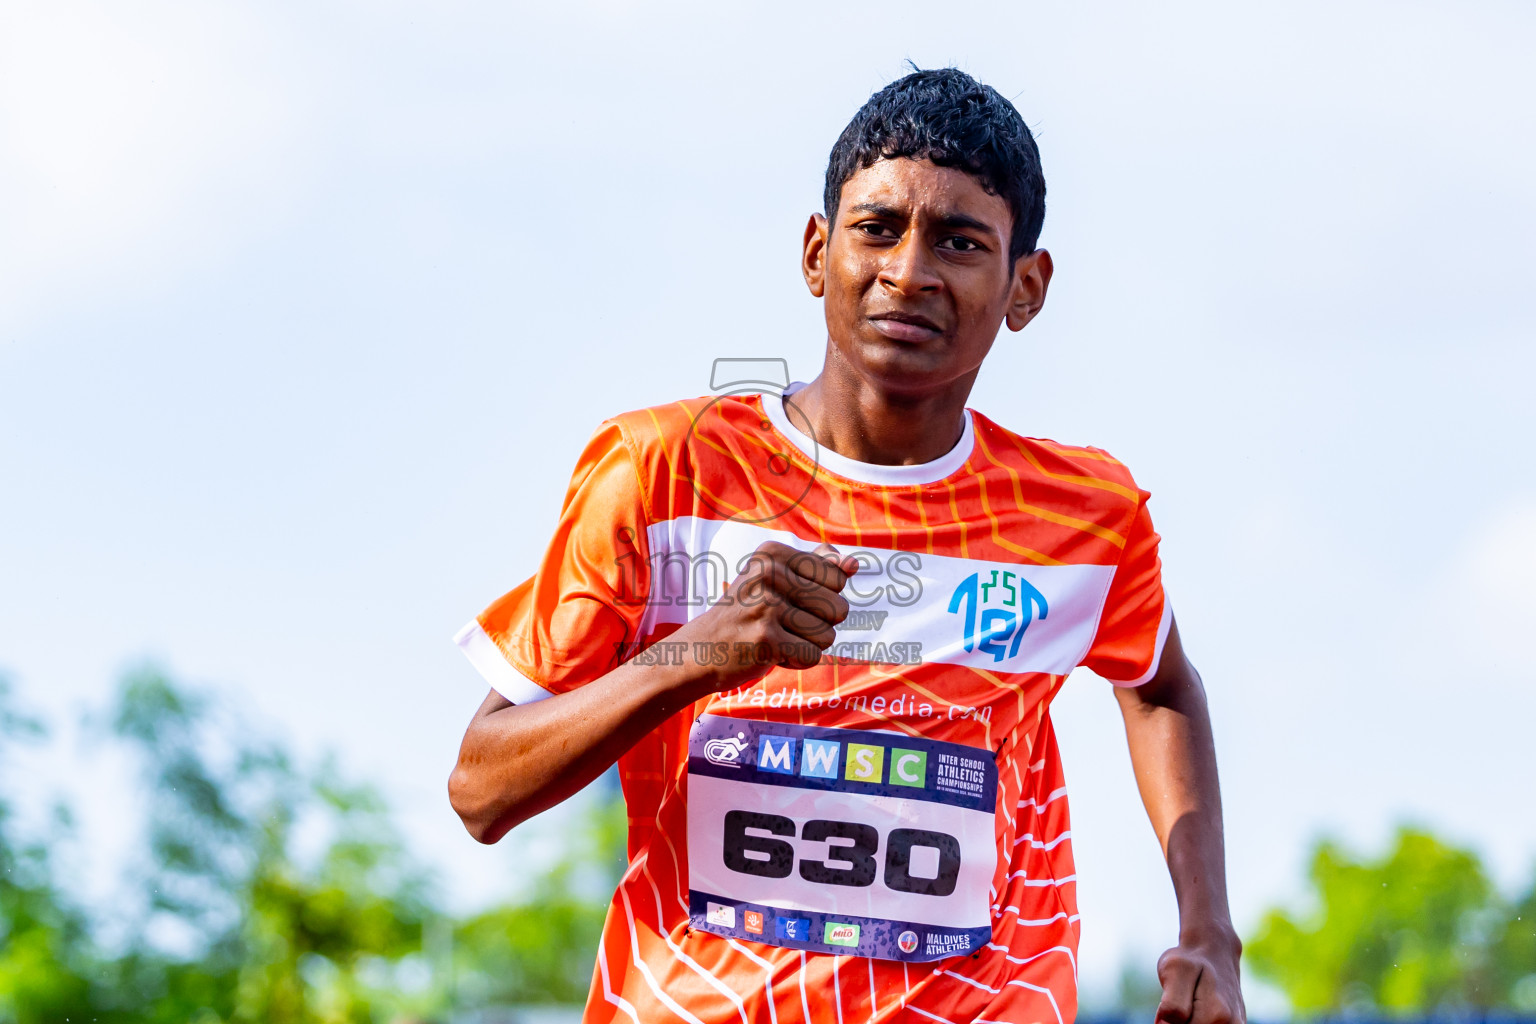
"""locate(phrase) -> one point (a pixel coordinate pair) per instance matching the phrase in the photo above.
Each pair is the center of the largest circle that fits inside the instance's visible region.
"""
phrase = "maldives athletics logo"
(996, 610)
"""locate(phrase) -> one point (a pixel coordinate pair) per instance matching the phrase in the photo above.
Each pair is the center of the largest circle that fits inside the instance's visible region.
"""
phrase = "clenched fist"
(786, 605)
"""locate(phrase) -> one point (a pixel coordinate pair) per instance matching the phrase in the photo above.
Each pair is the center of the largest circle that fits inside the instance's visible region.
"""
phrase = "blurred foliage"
(44, 940)
(1137, 992)
(230, 923)
(1420, 930)
(523, 953)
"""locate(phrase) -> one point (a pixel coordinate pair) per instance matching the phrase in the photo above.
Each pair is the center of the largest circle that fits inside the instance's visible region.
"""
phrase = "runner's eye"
(960, 243)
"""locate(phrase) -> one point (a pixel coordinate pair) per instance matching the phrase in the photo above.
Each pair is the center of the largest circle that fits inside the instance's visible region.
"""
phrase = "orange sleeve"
(579, 615)
(1132, 628)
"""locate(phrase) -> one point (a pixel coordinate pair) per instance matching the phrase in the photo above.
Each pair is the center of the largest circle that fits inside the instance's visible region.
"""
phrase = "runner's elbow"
(470, 801)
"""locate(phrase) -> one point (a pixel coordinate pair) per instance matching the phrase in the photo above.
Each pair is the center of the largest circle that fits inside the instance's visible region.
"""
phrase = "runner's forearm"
(1168, 728)
(519, 760)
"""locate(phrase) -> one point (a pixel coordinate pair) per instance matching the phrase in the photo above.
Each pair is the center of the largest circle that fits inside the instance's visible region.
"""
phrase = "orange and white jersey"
(884, 836)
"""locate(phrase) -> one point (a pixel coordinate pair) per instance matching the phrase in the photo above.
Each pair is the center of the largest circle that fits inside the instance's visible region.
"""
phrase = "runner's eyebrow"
(960, 220)
(947, 220)
(880, 210)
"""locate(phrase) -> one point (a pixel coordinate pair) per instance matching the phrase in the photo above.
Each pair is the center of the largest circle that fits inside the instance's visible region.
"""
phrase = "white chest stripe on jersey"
(908, 606)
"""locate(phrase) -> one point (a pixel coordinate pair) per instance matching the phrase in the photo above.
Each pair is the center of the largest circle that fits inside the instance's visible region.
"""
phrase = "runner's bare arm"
(518, 760)
(1168, 727)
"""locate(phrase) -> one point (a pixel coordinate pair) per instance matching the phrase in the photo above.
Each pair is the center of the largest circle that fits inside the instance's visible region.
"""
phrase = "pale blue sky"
(306, 310)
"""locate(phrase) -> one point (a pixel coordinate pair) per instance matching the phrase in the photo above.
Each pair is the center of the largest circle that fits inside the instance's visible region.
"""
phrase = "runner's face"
(916, 275)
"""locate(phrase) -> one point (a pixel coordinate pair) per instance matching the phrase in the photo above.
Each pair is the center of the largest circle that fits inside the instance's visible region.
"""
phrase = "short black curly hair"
(950, 118)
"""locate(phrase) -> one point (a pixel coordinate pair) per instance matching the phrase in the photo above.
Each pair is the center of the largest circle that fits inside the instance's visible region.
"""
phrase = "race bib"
(840, 840)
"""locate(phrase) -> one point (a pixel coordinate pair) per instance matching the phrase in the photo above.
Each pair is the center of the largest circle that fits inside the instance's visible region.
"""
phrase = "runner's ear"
(813, 254)
(1031, 279)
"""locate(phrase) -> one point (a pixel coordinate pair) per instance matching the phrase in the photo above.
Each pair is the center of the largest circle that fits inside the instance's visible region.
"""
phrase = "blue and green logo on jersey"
(997, 611)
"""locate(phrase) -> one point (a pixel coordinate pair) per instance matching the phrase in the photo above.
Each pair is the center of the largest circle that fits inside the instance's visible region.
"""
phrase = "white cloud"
(124, 135)
(1491, 587)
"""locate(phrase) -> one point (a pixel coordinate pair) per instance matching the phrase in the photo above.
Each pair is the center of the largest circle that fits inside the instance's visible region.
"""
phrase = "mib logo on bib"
(726, 751)
(995, 609)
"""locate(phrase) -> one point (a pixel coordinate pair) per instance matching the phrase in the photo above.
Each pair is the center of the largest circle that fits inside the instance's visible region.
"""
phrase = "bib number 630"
(850, 843)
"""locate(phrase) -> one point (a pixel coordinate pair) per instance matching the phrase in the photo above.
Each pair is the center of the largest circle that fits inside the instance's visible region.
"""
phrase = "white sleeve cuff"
(1157, 649)
(487, 658)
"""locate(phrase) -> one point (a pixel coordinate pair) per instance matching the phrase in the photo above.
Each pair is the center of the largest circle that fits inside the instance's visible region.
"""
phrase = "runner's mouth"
(905, 326)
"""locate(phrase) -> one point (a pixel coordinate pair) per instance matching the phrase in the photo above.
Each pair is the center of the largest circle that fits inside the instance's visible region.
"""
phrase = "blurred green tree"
(45, 953)
(336, 939)
(235, 926)
(1513, 964)
(1418, 930)
(544, 951)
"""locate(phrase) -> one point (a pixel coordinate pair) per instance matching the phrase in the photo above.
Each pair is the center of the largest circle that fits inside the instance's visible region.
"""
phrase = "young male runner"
(878, 832)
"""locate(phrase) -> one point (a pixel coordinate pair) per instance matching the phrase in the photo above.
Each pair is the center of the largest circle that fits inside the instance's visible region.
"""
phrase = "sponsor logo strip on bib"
(840, 840)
